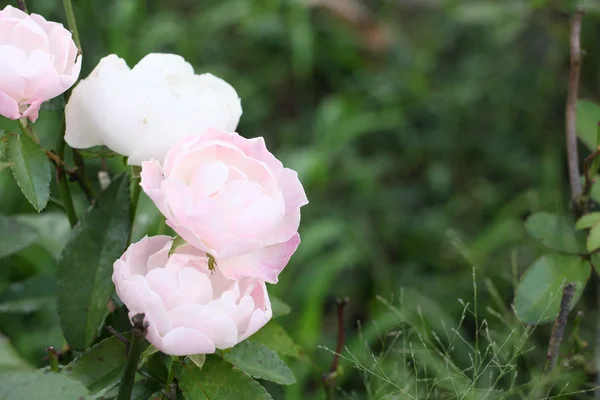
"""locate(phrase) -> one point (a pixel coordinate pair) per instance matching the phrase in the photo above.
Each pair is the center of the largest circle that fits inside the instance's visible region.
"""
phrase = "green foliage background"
(424, 134)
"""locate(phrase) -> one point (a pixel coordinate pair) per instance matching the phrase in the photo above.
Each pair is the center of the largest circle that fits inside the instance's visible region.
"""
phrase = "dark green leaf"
(217, 380)
(539, 292)
(31, 169)
(15, 236)
(588, 220)
(588, 116)
(593, 240)
(100, 367)
(85, 265)
(144, 389)
(556, 232)
(55, 104)
(40, 386)
(279, 307)
(276, 338)
(259, 361)
(29, 295)
(97, 152)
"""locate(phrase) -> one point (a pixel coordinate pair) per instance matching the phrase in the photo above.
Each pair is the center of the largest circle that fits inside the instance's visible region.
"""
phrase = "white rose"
(141, 112)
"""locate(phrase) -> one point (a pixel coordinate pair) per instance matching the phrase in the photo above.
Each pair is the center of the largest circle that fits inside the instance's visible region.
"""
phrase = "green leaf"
(588, 220)
(15, 236)
(53, 228)
(100, 367)
(31, 169)
(29, 295)
(593, 240)
(55, 104)
(279, 307)
(145, 389)
(276, 338)
(198, 359)
(97, 152)
(150, 350)
(217, 380)
(588, 116)
(9, 358)
(40, 386)
(178, 241)
(539, 292)
(556, 232)
(84, 269)
(259, 361)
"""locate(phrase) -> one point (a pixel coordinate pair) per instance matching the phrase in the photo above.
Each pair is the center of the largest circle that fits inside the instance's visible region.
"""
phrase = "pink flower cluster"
(238, 209)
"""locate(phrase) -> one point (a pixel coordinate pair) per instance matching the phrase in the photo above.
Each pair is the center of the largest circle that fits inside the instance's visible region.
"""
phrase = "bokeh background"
(424, 132)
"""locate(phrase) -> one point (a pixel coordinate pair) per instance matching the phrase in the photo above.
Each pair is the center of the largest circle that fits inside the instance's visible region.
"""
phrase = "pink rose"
(38, 61)
(190, 310)
(230, 197)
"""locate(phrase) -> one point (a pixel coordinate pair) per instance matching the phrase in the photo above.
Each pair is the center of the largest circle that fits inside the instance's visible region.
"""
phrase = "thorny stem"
(72, 23)
(81, 177)
(61, 178)
(329, 378)
(558, 330)
(570, 109)
(135, 351)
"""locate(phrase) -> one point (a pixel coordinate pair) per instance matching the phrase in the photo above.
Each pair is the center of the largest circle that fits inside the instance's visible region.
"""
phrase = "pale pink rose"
(189, 309)
(230, 197)
(38, 61)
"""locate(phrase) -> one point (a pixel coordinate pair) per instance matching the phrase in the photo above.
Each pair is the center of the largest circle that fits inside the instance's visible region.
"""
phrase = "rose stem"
(135, 351)
(61, 178)
(53, 356)
(72, 23)
(135, 193)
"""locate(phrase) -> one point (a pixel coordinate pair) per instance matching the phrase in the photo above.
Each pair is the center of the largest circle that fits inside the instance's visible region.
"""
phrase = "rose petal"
(264, 264)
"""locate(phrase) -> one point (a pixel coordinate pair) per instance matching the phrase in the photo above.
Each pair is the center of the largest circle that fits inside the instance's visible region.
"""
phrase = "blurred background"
(424, 132)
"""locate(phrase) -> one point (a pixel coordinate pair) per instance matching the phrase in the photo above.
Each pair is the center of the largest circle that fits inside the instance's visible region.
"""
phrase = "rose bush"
(38, 61)
(230, 197)
(190, 310)
(141, 112)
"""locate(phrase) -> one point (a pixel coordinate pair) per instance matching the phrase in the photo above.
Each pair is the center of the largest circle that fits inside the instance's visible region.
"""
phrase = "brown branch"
(329, 378)
(119, 337)
(570, 111)
(558, 330)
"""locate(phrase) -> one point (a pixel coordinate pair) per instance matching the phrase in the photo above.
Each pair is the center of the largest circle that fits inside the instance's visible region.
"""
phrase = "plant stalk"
(72, 23)
(135, 194)
(571, 109)
(53, 356)
(136, 348)
(61, 178)
(558, 330)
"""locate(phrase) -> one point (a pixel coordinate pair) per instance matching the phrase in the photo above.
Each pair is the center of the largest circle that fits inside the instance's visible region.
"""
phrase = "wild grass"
(479, 357)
